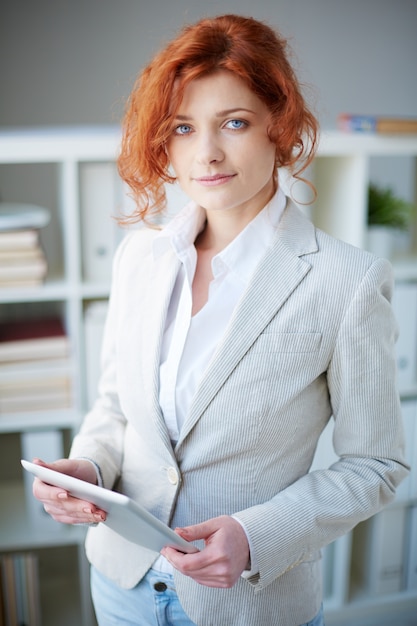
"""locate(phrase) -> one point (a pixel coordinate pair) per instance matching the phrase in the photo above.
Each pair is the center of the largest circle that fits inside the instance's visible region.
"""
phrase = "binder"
(98, 201)
(411, 573)
(94, 321)
(379, 551)
(408, 488)
(404, 304)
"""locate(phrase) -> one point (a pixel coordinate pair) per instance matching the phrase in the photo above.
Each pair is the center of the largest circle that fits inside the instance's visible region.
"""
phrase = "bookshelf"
(73, 168)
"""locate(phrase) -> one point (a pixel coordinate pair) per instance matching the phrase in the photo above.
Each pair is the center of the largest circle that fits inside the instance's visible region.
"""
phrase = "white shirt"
(189, 342)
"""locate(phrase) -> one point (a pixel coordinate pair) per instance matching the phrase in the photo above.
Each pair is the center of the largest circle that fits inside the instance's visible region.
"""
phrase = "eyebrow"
(222, 113)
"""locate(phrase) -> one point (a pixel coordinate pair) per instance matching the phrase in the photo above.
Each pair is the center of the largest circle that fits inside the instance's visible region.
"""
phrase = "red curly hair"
(242, 45)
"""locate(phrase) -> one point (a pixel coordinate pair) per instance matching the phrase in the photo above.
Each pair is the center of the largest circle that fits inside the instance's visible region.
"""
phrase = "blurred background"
(72, 63)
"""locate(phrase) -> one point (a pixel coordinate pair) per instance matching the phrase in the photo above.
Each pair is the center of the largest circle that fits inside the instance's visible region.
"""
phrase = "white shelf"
(338, 144)
(40, 420)
(340, 173)
(54, 145)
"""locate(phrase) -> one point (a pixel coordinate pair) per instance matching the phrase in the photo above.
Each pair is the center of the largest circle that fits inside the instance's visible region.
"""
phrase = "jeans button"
(160, 587)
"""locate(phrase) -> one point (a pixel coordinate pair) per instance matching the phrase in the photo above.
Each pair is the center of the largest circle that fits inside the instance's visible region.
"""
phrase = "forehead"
(221, 90)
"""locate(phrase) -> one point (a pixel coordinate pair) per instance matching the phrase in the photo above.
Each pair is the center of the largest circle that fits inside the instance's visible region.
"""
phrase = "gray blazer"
(312, 337)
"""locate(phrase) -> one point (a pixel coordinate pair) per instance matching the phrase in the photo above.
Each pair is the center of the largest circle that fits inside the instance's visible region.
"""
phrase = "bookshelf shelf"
(51, 291)
(16, 422)
(80, 165)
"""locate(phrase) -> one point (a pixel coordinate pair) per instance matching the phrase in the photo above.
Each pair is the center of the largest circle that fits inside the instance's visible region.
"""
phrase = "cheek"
(269, 155)
(171, 153)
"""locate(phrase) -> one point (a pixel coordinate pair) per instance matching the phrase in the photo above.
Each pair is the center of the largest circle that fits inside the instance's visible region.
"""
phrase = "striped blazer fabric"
(311, 340)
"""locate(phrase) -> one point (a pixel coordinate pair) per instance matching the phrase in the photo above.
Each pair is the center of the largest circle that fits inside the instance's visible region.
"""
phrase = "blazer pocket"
(287, 342)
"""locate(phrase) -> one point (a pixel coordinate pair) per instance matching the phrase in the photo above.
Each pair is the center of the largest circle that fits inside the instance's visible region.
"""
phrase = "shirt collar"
(246, 250)
(181, 232)
(241, 255)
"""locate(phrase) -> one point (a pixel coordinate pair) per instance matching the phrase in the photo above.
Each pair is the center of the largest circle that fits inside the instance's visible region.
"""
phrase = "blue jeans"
(153, 602)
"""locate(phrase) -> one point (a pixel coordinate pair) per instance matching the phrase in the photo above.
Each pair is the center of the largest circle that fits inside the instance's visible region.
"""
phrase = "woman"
(234, 334)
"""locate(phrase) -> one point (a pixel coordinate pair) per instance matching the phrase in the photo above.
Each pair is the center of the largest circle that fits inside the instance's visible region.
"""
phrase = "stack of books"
(19, 590)
(35, 366)
(22, 259)
(349, 123)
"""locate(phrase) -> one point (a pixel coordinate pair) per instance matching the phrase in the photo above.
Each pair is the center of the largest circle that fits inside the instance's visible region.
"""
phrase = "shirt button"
(172, 475)
(160, 587)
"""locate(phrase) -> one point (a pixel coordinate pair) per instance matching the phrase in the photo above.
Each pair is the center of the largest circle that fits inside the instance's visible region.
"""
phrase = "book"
(19, 239)
(34, 269)
(29, 339)
(34, 369)
(19, 590)
(20, 256)
(8, 589)
(375, 124)
(33, 596)
(26, 283)
(38, 401)
(30, 386)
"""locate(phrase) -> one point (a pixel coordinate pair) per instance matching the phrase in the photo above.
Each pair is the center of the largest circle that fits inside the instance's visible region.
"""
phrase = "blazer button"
(172, 475)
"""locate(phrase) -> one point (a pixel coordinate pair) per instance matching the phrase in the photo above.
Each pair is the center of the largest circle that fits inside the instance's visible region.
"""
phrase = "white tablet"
(124, 516)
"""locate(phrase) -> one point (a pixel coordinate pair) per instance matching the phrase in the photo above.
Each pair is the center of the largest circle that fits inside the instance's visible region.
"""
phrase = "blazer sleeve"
(368, 439)
(101, 436)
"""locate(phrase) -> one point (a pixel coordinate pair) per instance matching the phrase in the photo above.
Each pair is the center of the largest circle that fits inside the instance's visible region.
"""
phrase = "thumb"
(198, 531)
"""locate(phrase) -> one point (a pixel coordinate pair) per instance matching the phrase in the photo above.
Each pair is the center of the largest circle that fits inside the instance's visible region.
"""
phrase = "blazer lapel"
(277, 276)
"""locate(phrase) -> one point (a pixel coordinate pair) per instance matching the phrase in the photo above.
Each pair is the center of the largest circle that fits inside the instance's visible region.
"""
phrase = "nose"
(209, 149)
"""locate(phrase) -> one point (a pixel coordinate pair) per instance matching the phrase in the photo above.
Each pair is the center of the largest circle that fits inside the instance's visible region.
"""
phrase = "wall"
(74, 61)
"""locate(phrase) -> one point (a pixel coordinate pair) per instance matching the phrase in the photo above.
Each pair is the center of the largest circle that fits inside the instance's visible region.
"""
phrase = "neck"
(223, 226)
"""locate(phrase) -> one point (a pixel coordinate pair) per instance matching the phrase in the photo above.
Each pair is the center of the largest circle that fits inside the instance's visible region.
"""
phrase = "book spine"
(357, 123)
(9, 590)
(20, 603)
(19, 239)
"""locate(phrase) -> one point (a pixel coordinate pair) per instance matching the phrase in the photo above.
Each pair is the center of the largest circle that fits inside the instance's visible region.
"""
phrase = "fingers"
(224, 557)
(58, 503)
(63, 508)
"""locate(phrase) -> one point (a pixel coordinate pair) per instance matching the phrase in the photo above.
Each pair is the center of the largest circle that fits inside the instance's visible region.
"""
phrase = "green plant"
(387, 209)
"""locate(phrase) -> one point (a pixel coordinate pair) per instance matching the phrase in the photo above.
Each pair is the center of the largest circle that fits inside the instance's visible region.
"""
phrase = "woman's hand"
(58, 503)
(224, 558)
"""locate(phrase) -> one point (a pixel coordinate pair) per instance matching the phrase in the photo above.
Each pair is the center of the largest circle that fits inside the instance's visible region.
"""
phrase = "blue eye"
(236, 124)
(182, 129)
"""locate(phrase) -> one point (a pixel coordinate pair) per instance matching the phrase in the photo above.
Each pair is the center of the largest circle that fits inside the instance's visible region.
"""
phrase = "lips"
(216, 179)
